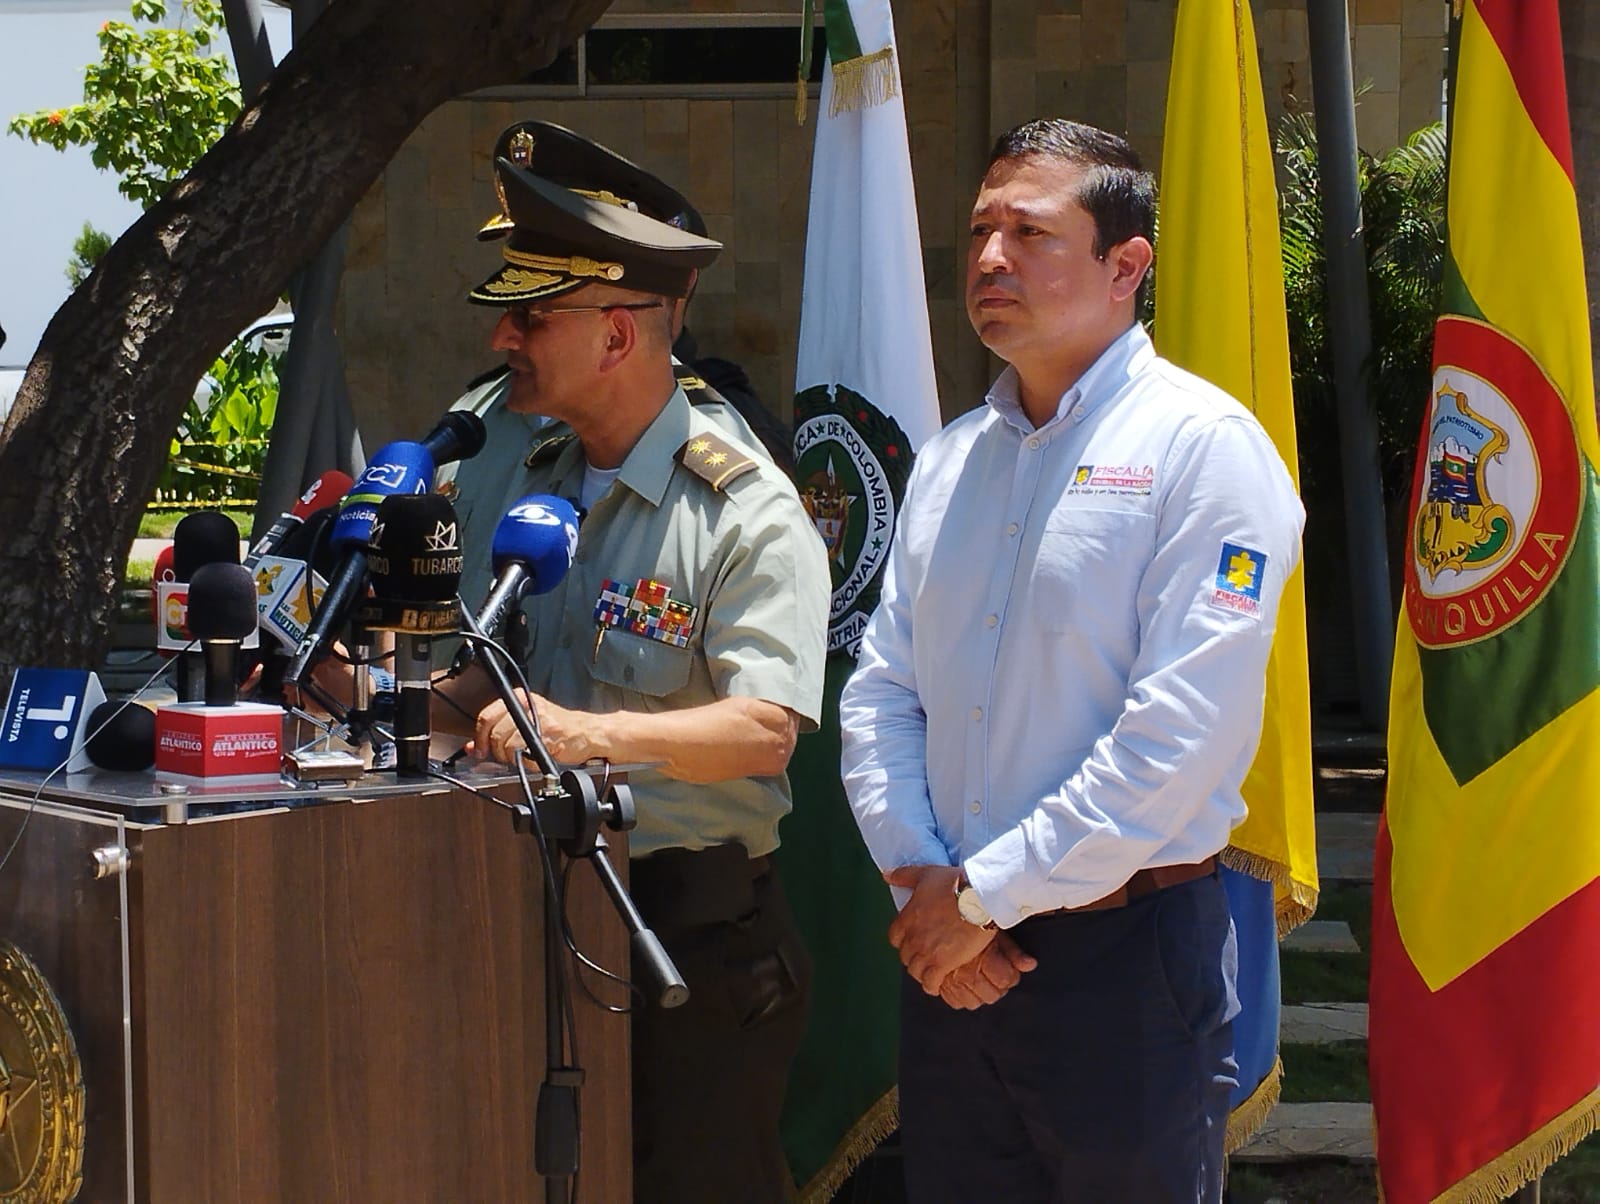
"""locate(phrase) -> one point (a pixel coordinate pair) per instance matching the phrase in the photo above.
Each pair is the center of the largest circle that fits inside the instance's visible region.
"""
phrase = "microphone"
(459, 435)
(222, 613)
(415, 558)
(202, 538)
(325, 491)
(123, 736)
(398, 469)
(532, 550)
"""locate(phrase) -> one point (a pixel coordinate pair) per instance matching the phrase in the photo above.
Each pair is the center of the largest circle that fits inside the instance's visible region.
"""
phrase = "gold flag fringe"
(1296, 901)
(1525, 1161)
(862, 1138)
(1245, 1121)
(860, 83)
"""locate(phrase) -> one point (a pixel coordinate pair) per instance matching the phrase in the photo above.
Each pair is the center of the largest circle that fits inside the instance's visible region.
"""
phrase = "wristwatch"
(970, 906)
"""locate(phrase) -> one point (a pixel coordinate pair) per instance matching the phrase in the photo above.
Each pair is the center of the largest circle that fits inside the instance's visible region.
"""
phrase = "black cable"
(38, 794)
(552, 900)
(572, 946)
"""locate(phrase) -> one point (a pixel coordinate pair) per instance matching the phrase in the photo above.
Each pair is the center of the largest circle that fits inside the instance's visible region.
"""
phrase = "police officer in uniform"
(717, 387)
(689, 634)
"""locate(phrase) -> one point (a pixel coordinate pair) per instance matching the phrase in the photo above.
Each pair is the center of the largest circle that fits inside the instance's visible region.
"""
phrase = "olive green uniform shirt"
(484, 488)
(729, 538)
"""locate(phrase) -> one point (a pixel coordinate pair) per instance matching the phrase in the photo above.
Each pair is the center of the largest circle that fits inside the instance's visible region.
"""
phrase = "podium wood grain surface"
(341, 1003)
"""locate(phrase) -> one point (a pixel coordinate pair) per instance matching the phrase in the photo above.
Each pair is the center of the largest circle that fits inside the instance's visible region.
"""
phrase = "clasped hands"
(963, 964)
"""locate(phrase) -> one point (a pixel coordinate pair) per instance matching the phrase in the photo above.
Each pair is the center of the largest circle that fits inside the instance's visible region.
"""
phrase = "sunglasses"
(526, 317)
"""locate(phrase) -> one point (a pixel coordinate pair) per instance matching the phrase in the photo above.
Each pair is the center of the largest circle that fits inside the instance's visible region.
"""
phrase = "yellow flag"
(1220, 314)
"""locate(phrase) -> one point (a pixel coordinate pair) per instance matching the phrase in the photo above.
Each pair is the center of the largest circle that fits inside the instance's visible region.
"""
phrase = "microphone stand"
(566, 817)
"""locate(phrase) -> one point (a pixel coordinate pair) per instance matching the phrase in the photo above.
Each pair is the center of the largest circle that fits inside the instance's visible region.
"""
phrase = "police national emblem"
(41, 1088)
(851, 465)
(1497, 488)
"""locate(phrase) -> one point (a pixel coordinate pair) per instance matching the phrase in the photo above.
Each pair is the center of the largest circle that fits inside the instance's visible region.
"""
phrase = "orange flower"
(55, 118)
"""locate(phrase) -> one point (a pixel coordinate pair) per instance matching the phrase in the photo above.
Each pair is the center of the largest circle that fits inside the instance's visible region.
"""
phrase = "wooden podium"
(318, 1001)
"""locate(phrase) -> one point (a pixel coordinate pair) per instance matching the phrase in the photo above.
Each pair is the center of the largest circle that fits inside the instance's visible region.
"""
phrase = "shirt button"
(1033, 443)
(977, 713)
(991, 620)
(1023, 908)
(1011, 528)
(975, 806)
(1077, 411)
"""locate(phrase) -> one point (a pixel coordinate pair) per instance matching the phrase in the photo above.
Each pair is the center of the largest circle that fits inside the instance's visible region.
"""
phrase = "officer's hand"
(568, 735)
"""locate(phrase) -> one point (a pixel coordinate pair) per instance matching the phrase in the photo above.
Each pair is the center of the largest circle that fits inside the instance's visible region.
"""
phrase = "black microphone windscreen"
(204, 537)
(121, 739)
(460, 435)
(222, 602)
(416, 549)
(415, 561)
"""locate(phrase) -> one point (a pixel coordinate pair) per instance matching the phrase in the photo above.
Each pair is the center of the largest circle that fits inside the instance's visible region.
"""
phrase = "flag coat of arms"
(1485, 1053)
(865, 400)
(1220, 313)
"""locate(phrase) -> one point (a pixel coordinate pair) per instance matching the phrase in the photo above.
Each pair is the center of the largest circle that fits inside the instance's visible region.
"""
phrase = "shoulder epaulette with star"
(546, 447)
(714, 460)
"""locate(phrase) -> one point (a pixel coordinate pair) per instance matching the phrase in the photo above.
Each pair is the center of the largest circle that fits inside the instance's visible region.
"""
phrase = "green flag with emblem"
(865, 399)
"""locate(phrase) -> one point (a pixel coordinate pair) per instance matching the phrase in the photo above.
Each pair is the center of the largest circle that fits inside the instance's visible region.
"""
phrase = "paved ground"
(1296, 1131)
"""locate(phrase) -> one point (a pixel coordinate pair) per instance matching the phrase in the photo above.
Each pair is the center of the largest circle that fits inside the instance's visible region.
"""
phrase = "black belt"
(688, 887)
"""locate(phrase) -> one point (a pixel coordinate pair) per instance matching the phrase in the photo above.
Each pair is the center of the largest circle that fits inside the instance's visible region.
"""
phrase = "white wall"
(46, 195)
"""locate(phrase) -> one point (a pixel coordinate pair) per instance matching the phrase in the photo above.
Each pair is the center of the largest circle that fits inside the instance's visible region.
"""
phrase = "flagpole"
(1350, 331)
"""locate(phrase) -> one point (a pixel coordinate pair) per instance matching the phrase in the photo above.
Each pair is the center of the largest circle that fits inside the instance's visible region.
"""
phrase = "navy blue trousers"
(1103, 1077)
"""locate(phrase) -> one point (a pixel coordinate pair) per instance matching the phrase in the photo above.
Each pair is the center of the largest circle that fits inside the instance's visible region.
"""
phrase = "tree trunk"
(1580, 36)
(94, 417)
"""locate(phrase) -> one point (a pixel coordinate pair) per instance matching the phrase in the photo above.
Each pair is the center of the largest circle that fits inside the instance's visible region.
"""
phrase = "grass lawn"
(158, 524)
(1308, 1182)
(1335, 1072)
(1333, 977)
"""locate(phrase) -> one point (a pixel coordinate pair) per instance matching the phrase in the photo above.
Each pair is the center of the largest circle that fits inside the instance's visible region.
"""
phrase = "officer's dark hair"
(1117, 192)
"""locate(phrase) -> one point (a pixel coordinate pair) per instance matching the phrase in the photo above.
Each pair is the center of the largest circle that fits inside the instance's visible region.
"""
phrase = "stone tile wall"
(971, 69)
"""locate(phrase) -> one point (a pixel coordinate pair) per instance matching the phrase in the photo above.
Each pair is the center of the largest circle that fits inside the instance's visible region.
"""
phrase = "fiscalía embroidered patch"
(1240, 573)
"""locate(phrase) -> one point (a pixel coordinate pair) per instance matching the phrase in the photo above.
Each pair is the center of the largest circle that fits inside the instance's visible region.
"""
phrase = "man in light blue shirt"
(1054, 707)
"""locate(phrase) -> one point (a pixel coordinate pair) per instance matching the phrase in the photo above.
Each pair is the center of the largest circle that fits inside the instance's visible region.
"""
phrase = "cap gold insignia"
(520, 149)
(518, 280)
(607, 198)
(567, 265)
(501, 220)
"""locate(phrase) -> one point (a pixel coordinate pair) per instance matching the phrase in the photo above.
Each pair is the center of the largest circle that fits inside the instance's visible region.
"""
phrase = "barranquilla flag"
(1484, 1042)
(1220, 313)
(865, 399)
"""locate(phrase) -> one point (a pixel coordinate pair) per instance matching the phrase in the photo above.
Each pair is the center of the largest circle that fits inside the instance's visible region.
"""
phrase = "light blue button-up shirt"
(1063, 681)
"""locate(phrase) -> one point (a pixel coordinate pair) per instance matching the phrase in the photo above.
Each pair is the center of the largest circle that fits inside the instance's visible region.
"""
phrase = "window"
(686, 54)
